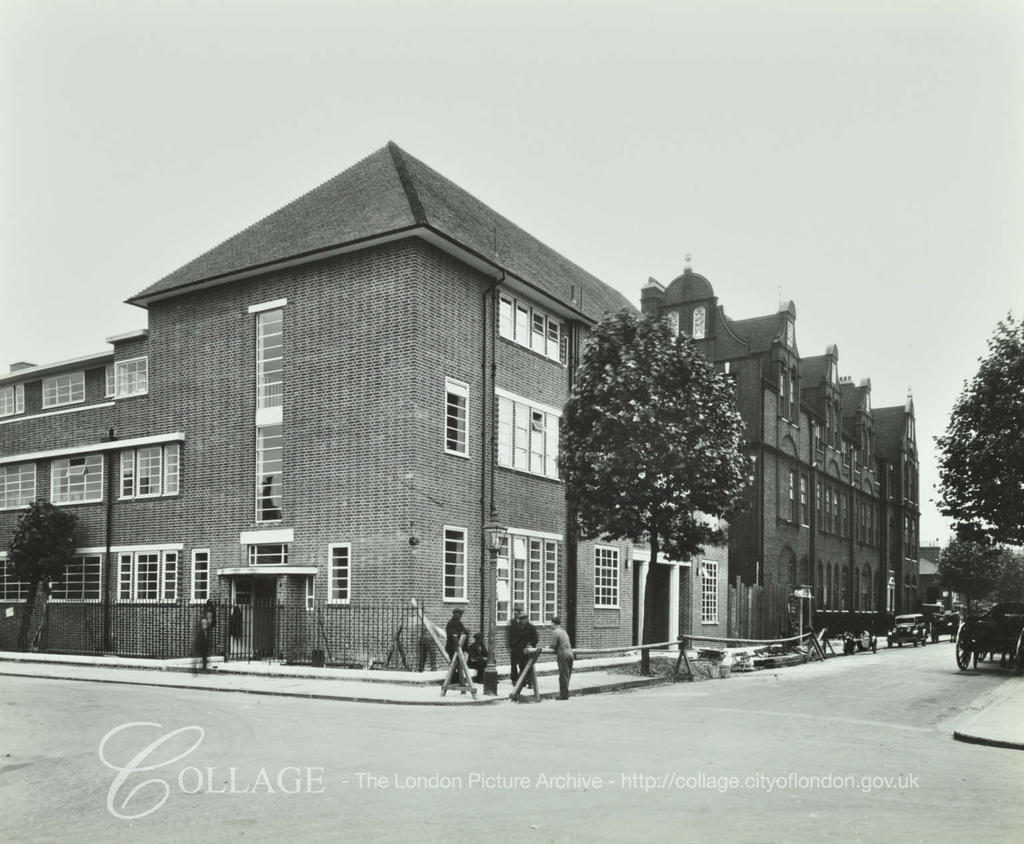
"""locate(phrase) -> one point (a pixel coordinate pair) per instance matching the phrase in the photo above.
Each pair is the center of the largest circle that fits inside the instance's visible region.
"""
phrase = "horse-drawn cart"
(999, 630)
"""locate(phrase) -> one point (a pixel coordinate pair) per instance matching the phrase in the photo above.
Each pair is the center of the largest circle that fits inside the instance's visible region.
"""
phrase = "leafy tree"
(981, 455)
(970, 568)
(1009, 585)
(41, 548)
(651, 443)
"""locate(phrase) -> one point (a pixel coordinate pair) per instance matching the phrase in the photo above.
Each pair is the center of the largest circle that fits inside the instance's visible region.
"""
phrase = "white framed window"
(527, 436)
(709, 592)
(454, 564)
(11, 590)
(268, 555)
(528, 574)
(456, 425)
(269, 358)
(17, 485)
(200, 575)
(131, 377)
(310, 593)
(109, 385)
(805, 516)
(699, 322)
(81, 580)
(68, 388)
(606, 577)
(673, 323)
(339, 571)
(269, 477)
(150, 471)
(77, 480)
(147, 577)
(531, 328)
(12, 399)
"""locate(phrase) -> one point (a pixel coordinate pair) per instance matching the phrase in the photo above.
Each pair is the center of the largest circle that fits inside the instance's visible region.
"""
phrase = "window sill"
(62, 404)
(15, 507)
(530, 474)
(615, 607)
(76, 503)
(456, 454)
(130, 396)
(73, 600)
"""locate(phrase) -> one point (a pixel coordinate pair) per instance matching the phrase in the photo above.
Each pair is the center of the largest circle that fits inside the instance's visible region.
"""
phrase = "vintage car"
(998, 632)
(910, 627)
(945, 624)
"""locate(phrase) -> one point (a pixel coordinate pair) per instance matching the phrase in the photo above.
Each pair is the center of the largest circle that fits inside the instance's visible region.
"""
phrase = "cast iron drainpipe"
(107, 644)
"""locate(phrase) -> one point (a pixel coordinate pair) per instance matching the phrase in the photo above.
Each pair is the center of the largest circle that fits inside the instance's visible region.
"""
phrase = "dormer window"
(699, 322)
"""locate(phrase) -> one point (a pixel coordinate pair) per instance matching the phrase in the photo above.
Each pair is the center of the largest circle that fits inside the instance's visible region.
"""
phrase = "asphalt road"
(857, 749)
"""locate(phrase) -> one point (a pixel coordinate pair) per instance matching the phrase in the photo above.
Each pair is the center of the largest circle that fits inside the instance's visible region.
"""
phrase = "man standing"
(454, 631)
(563, 654)
(515, 645)
(527, 640)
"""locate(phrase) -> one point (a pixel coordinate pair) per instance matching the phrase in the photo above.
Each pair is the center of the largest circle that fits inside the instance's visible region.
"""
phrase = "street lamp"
(494, 536)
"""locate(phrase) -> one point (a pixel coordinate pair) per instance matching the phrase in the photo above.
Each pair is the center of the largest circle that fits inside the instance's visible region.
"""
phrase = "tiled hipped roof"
(390, 192)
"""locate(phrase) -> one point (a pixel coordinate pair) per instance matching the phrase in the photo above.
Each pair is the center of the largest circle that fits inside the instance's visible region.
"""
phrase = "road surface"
(856, 749)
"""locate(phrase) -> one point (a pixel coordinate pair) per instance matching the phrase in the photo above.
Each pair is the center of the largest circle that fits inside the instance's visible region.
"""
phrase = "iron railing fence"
(383, 633)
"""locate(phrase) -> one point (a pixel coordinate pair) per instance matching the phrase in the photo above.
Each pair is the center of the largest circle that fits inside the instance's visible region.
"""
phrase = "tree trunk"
(651, 605)
(26, 618)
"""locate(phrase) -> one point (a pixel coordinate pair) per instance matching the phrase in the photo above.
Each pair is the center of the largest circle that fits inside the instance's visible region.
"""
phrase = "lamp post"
(494, 535)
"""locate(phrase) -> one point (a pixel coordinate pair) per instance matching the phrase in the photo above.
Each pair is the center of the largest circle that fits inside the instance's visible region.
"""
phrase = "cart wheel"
(963, 650)
(1018, 664)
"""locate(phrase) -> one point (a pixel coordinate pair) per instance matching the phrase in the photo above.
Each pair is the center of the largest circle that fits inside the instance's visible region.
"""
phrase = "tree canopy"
(981, 455)
(970, 568)
(43, 543)
(651, 439)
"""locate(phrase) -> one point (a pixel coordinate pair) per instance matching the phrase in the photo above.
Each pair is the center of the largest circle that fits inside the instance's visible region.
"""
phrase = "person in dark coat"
(204, 636)
(454, 631)
(515, 646)
(527, 639)
(478, 657)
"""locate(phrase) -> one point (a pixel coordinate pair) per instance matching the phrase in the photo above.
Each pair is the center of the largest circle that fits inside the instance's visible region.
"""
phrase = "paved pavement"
(353, 685)
(996, 718)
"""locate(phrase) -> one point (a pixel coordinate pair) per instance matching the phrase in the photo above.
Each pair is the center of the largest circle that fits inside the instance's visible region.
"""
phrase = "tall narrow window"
(269, 480)
(804, 514)
(109, 386)
(338, 575)
(606, 576)
(699, 322)
(709, 592)
(456, 428)
(269, 358)
(791, 492)
(673, 323)
(454, 564)
(200, 576)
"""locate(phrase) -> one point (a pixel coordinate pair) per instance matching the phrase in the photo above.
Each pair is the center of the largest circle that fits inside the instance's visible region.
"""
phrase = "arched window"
(699, 322)
(844, 589)
(819, 584)
(673, 323)
(828, 586)
(865, 588)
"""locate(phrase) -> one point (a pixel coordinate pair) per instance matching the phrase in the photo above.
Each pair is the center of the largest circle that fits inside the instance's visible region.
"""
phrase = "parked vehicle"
(999, 630)
(945, 624)
(910, 627)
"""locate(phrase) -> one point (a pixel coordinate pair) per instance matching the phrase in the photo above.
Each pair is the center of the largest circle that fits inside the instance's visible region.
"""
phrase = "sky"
(861, 158)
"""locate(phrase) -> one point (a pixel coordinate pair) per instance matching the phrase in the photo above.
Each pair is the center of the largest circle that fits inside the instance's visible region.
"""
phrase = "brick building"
(834, 505)
(323, 410)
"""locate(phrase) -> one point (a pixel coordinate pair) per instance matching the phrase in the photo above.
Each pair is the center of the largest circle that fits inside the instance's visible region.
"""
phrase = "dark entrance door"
(264, 605)
(656, 611)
